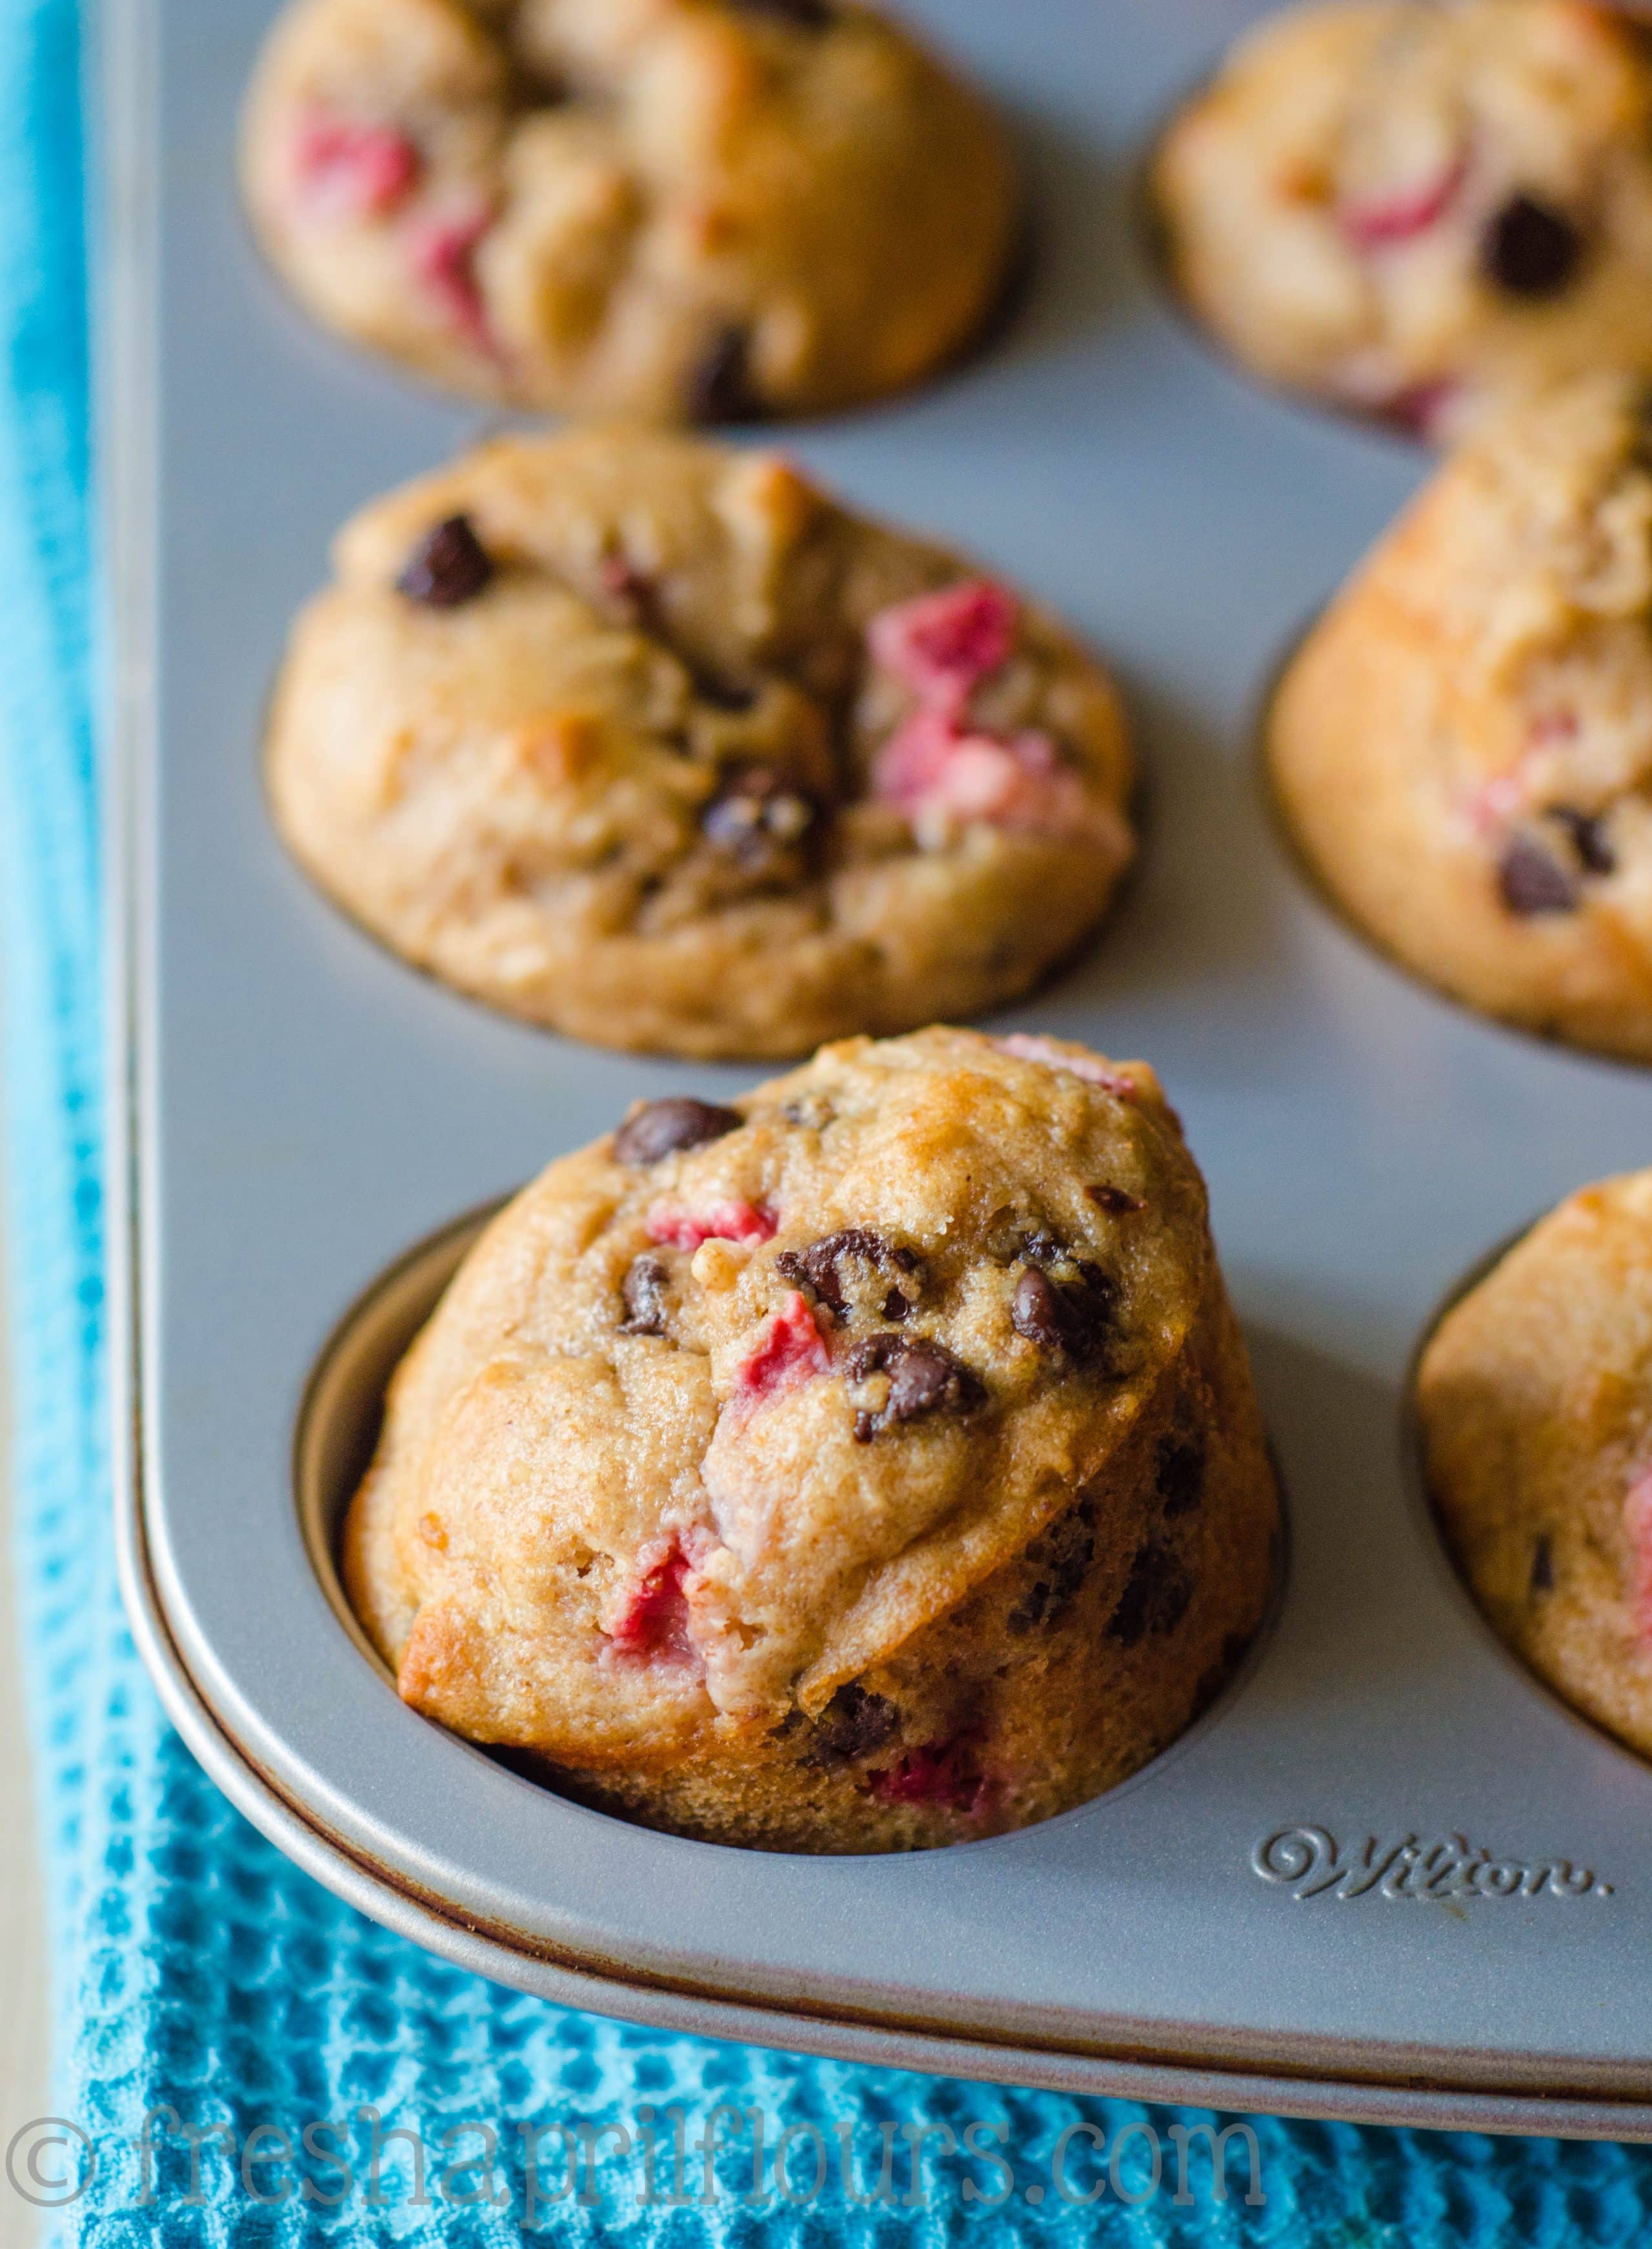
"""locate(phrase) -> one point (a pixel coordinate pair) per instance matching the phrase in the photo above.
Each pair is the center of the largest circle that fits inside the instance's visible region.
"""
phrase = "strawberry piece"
(943, 645)
(1489, 807)
(1637, 1522)
(934, 766)
(1421, 410)
(1408, 212)
(444, 256)
(1026, 1047)
(723, 1221)
(360, 171)
(946, 1773)
(789, 1352)
(654, 1623)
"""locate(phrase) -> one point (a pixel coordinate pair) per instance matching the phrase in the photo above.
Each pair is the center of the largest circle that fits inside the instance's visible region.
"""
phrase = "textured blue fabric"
(196, 1974)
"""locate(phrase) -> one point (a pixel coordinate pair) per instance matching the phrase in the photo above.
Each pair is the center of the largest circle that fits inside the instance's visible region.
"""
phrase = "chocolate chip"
(1180, 1473)
(1072, 1311)
(1532, 882)
(923, 1378)
(819, 1268)
(664, 1128)
(1531, 249)
(644, 1294)
(760, 822)
(720, 387)
(723, 694)
(448, 568)
(854, 1724)
(1036, 1310)
(808, 15)
(1543, 1563)
(1066, 1551)
(1155, 1598)
(810, 1112)
(1587, 832)
(1114, 1201)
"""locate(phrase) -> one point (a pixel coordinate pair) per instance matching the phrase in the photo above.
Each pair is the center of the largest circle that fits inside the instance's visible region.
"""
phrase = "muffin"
(1415, 210)
(674, 209)
(1535, 1394)
(871, 1465)
(1462, 747)
(650, 741)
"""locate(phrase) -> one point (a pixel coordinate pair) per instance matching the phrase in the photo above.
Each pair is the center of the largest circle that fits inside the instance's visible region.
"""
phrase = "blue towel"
(200, 1981)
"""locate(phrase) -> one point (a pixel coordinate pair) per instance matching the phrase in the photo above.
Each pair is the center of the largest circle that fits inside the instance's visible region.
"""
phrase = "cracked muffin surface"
(650, 741)
(1417, 210)
(675, 210)
(1535, 1394)
(872, 1464)
(1463, 747)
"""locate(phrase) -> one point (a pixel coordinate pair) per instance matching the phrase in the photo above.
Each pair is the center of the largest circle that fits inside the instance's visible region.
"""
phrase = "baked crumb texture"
(1537, 1416)
(871, 1465)
(1417, 211)
(650, 741)
(670, 210)
(1463, 746)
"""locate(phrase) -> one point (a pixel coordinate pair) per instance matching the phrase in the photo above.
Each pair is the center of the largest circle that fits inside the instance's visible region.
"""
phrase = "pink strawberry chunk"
(1637, 1522)
(790, 1351)
(946, 1773)
(678, 1228)
(444, 256)
(1423, 410)
(943, 645)
(1384, 220)
(1026, 1047)
(654, 1622)
(933, 766)
(360, 171)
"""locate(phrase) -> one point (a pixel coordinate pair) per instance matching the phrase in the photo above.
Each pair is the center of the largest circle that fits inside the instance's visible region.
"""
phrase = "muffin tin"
(294, 1109)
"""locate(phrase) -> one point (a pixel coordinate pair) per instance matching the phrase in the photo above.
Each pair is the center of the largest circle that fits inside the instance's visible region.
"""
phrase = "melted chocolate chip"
(923, 1378)
(1114, 1201)
(723, 694)
(720, 387)
(664, 1128)
(644, 1294)
(1542, 1564)
(1065, 1552)
(808, 15)
(760, 822)
(1531, 249)
(1587, 832)
(1531, 881)
(819, 1268)
(1073, 1313)
(854, 1724)
(1181, 1474)
(448, 568)
(1155, 1596)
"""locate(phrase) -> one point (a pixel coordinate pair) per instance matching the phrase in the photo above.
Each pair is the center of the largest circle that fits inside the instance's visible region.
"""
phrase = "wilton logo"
(1310, 1862)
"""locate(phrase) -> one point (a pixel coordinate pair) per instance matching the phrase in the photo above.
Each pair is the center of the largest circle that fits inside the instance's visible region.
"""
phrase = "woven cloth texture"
(200, 1981)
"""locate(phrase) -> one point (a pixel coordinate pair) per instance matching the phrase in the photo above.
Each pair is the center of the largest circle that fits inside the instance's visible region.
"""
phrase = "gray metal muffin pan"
(301, 1109)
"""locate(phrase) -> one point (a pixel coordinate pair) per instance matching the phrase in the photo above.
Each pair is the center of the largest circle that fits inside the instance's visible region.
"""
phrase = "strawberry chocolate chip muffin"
(1412, 209)
(870, 1465)
(1463, 746)
(1535, 1394)
(650, 741)
(677, 210)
